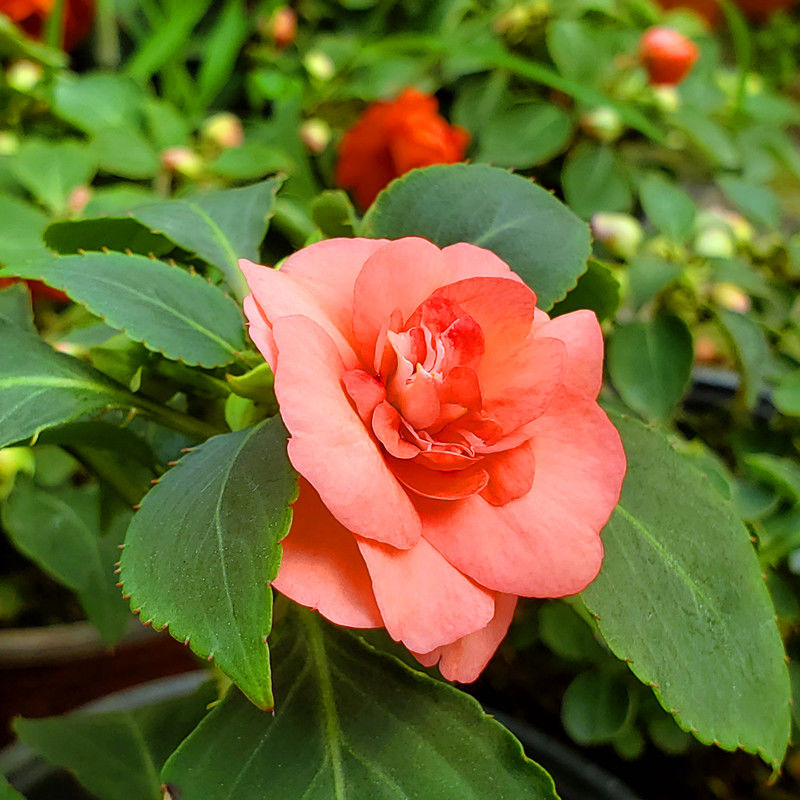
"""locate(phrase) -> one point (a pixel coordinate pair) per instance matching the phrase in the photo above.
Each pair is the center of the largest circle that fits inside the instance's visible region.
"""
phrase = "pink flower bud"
(183, 161)
(223, 130)
(315, 134)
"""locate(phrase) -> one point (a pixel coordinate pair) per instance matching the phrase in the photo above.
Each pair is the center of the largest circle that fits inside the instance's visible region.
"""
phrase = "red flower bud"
(667, 55)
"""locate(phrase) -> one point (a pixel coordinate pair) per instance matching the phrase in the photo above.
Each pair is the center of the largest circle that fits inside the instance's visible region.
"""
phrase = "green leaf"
(69, 164)
(352, 723)
(60, 530)
(7, 792)
(15, 307)
(595, 706)
(96, 101)
(41, 388)
(787, 394)
(21, 227)
(712, 139)
(597, 289)
(680, 597)
(525, 135)
(220, 52)
(756, 202)
(668, 206)
(113, 233)
(538, 237)
(225, 507)
(750, 347)
(124, 151)
(648, 276)
(566, 634)
(781, 473)
(220, 227)
(593, 181)
(168, 310)
(333, 214)
(650, 364)
(117, 755)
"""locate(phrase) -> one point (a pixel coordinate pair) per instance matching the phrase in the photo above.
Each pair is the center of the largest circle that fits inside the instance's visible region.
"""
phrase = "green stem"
(171, 418)
(107, 49)
(743, 47)
(54, 25)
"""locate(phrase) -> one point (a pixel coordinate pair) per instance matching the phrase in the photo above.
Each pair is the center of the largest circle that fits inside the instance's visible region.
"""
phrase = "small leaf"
(333, 214)
(15, 307)
(525, 135)
(566, 634)
(681, 598)
(595, 707)
(593, 181)
(756, 202)
(200, 553)
(168, 310)
(668, 206)
(118, 755)
(21, 227)
(352, 723)
(124, 151)
(538, 237)
(787, 394)
(750, 347)
(60, 530)
(69, 164)
(96, 101)
(650, 364)
(597, 289)
(41, 388)
(650, 275)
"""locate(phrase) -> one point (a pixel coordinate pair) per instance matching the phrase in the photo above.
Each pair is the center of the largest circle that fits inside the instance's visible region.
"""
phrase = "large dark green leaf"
(220, 227)
(113, 233)
(40, 388)
(118, 755)
(681, 598)
(351, 723)
(535, 234)
(165, 308)
(201, 551)
(60, 530)
(650, 364)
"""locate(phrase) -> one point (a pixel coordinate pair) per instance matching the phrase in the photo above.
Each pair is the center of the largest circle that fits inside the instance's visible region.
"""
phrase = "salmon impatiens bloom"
(389, 139)
(30, 15)
(451, 452)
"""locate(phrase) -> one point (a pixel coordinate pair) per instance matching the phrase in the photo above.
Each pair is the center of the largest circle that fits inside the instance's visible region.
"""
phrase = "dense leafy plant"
(125, 189)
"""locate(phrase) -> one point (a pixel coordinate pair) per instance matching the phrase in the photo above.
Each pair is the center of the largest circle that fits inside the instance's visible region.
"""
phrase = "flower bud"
(183, 161)
(603, 123)
(319, 65)
(315, 134)
(78, 199)
(667, 55)
(666, 99)
(621, 234)
(14, 460)
(23, 75)
(9, 143)
(706, 350)
(224, 130)
(730, 296)
(714, 243)
(282, 27)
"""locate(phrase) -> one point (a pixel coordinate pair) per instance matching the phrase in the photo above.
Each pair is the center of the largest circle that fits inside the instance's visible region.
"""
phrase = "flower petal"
(397, 276)
(260, 331)
(280, 294)
(453, 484)
(580, 332)
(322, 567)
(424, 601)
(467, 657)
(329, 444)
(386, 427)
(466, 260)
(519, 383)
(511, 474)
(547, 543)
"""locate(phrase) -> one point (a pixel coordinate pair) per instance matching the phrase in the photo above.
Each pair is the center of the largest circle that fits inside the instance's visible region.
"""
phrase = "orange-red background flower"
(38, 290)
(756, 10)
(389, 139)
(30, 15)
